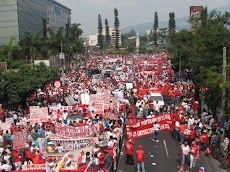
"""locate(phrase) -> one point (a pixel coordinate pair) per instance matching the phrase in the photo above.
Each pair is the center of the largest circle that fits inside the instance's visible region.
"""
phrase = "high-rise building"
(18, 16)
(58, 16)
(93, 39)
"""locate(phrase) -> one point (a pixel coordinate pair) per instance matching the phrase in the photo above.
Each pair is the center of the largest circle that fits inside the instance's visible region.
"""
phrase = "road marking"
(166, 148)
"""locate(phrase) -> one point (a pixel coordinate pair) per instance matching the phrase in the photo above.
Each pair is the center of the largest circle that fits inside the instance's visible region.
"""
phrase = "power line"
(28, 12)
(32, 8)
(21, 14)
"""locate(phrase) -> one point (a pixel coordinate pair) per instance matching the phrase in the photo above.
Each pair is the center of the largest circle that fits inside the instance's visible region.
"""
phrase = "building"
(58, 16)
(93, 39)
(113, 35)
(18, 16)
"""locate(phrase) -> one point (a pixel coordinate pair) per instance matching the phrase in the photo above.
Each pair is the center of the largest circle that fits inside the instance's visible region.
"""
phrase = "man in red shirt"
(194, 154)
(18, 158)
(191, 136)
(129, 152)
(181, 132)
(140, 158)
(204, 140)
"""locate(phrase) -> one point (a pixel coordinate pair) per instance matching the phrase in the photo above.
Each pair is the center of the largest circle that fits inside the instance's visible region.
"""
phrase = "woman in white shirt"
(156, 128)
(185, 152)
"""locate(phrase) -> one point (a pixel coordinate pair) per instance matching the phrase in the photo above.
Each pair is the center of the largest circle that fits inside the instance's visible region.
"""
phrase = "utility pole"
(224, 81)
(62, 59)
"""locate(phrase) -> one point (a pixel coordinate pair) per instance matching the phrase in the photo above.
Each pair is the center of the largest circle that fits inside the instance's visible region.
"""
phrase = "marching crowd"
(197, 131)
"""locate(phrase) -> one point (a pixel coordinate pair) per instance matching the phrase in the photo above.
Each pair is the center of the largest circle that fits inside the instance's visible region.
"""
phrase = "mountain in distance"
(181, 23)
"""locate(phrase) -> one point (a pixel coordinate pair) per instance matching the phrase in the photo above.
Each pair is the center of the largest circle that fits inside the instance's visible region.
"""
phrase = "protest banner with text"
(38, 115)
(145, 126)
(68, 144)
(76, 132)
(20, 139)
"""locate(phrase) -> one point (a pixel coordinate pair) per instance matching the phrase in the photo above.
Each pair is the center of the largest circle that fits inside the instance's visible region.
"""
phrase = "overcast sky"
(131, 12)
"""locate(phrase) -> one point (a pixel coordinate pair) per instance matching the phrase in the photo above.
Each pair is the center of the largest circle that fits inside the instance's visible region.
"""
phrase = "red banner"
(76, 132)
(145, 126)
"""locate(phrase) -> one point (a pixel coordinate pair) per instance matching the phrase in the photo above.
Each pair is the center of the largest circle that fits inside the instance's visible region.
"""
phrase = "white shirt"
(177, 125)
(111, 143)
(157, 107)
(1, 140)
(59, 149)
(5, 167)
(1, 150)
(191, 121)
(185, 149)
(65, 115)
(6, 158)
(156, 127)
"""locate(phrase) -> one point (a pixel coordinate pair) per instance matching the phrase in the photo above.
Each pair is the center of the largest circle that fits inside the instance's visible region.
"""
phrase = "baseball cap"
(181, 167)
(140, 147)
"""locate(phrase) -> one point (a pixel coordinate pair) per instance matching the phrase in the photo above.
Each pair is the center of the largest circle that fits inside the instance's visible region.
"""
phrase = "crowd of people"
(196, 131)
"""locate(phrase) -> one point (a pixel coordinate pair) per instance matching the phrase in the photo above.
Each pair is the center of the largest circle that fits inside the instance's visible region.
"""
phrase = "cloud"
(98, 2)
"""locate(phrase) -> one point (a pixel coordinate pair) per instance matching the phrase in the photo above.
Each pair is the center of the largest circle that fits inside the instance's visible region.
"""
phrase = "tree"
(100, 36)
(107, 37)
(172, 27)
(7, 50)
(54, 40)
(155, 27)
(163, 36)
(31, 44)
(116, 27)
(76, 31)
(201, 53)
(18, 86)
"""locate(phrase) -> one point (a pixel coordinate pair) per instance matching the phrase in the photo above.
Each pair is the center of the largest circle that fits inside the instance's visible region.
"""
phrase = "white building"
(58, 16)
(93, 39)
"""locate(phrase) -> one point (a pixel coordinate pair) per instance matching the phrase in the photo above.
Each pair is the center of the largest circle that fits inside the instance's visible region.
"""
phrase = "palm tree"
(76, 31)
(8, 49)
(54, 40)
(31, 44)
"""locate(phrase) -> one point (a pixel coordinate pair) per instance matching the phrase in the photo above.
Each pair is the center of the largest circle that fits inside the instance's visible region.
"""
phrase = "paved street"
(164, 163)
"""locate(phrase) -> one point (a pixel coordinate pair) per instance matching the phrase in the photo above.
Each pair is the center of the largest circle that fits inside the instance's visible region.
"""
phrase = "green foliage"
(17, 86)
(201, 52)
(107, 36)
(100, 36)
(116, 27)
(76, 31)
(12, 64)
(155, 27)
(172, 27)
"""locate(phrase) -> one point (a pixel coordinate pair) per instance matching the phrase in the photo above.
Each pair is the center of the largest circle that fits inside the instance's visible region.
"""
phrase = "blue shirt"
(7, 136)
(42, 132)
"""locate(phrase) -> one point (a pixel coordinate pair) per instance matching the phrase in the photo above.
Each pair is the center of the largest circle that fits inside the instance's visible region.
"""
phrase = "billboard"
(195, 11)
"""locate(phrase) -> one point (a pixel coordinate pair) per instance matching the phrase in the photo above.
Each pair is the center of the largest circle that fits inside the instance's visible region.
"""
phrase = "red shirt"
(182, 127)
(140, 155)
(194, 150)
(192, 134)
(28, 155)
(129, 148)
(17, 157)
(205, 138)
